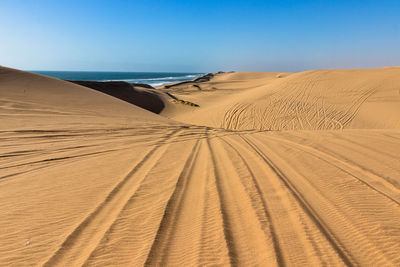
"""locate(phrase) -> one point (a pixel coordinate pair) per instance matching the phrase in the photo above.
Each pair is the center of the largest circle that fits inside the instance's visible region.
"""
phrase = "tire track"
(232, 250)
(336, 244)
(160, 249)
(345, 219)
(350, 169)
(301, 241)
(213, 247)
(129, 239)
(266, 221)
(248, 233)
(74, 248)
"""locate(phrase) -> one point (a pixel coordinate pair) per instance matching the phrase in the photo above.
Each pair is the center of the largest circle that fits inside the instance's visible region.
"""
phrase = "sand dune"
(150, 100)
(313, 100)
(88, 179)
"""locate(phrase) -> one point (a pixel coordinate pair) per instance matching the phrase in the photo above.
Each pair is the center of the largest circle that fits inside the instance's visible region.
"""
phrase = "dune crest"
(89, 179)
(140, 96)
(312, 100)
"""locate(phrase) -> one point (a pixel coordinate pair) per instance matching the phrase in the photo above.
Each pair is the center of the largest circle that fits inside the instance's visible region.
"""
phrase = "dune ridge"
(136, 94)
(273, 169)
(312, 100)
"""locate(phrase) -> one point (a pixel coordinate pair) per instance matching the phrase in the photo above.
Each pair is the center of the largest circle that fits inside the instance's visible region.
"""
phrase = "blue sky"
(199, 36)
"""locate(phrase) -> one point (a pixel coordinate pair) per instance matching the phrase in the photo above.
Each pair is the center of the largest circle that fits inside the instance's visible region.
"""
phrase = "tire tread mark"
(175, 202)
(78, 230)
(336, 244)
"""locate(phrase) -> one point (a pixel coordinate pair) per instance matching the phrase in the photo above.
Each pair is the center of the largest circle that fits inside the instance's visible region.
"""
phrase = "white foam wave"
(158, 84)
(159, 80)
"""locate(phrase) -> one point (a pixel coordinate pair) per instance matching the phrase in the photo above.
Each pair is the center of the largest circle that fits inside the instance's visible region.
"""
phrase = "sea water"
(151, 78)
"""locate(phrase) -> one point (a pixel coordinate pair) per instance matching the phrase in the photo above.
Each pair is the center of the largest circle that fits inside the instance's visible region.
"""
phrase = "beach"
(238, 168)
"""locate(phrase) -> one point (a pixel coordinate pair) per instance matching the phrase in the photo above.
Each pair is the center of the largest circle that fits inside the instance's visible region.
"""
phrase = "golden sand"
(271, 169)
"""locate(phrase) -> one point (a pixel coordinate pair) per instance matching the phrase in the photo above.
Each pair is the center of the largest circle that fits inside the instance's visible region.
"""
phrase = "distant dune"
(267, 169)
(312, 100)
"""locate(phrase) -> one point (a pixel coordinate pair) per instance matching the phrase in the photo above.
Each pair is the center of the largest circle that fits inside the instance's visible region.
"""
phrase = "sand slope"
(141, 97)
(312, 100)
(107, 183)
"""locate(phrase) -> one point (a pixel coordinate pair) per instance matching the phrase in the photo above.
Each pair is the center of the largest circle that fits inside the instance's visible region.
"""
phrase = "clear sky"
(199, 36)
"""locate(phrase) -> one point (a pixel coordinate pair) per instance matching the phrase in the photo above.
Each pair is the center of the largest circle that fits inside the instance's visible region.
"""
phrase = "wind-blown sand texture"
(272, 169)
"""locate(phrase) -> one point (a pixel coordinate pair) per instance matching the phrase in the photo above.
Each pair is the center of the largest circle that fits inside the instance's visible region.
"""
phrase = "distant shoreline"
(151, 78)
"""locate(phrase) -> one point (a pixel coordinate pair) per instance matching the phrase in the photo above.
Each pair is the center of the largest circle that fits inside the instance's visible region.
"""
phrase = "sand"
(296, 169)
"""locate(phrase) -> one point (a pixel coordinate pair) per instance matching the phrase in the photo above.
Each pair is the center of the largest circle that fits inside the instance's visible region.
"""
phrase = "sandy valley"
(249, 169)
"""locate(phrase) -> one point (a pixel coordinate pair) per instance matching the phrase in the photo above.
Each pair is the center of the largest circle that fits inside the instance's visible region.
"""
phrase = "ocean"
(152, 78)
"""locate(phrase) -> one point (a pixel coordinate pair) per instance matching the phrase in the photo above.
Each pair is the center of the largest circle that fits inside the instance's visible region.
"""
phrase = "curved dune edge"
(141, 97)
(89, 179)
(311, 100)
